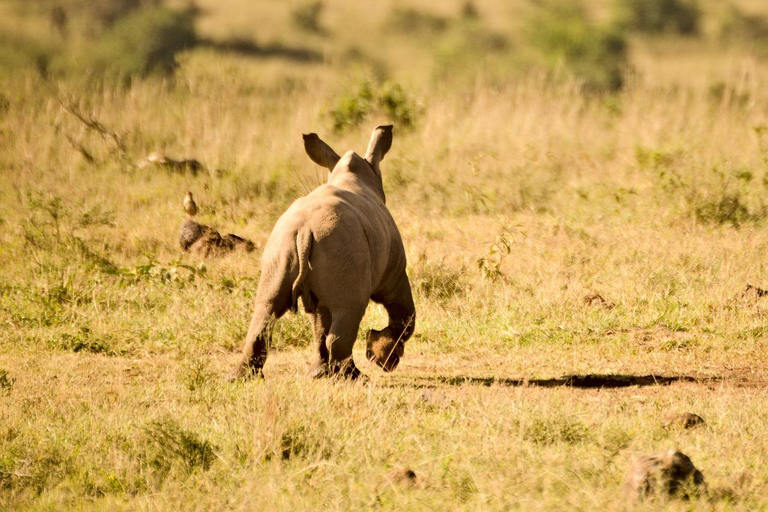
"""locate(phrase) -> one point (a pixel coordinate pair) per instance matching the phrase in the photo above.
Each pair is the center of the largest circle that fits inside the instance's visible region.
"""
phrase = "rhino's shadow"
(589, 381)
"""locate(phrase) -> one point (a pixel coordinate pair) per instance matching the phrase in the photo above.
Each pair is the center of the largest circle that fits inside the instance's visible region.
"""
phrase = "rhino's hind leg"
(339, 342)
(321, 325)
(386, 347)
(257, 342)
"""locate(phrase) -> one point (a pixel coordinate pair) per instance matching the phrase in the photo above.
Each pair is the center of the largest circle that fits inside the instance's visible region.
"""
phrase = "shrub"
(739, 26)
(144, 42)
(412, 21)
(472, 47)
(366, 98)
(718, 195)
(728, 208)
(565, 36)
(306, 16)
(655, 16)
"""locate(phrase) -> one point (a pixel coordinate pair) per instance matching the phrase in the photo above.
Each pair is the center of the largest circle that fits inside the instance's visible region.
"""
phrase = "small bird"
(189, 205)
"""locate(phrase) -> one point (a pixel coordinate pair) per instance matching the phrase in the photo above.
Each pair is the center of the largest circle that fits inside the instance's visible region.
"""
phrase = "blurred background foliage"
(592, 42)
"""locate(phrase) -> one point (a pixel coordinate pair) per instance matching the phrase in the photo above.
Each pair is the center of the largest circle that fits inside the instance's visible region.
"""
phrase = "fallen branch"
(93, 124)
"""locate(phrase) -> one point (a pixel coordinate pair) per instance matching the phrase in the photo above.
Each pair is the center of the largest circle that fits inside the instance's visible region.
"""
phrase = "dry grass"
(516, 200)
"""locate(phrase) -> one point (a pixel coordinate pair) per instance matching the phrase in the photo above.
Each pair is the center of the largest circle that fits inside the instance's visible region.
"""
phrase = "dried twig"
(81, 149)
(93, 124)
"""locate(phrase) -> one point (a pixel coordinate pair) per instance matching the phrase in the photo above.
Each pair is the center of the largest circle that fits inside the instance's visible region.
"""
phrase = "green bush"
(655, 16)
(412, 21)
(564, 36)
(17, 53)
(366, 98)
(470, 48)
(739, 26)
(306, 16)
(145, 41)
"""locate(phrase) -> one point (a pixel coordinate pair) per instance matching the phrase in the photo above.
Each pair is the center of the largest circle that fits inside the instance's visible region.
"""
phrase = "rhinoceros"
(335, 248)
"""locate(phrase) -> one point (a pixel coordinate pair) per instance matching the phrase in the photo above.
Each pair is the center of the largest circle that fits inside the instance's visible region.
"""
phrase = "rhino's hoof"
(244, 373)
(319, 370)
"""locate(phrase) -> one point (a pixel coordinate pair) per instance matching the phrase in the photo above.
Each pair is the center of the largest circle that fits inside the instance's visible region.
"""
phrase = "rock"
(206, 241)
(190, 232)
(404, 476)
(670, 474)
(683, 420)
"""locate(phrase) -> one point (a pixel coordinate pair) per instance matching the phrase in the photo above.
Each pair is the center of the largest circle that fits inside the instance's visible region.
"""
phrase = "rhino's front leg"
(321, 325)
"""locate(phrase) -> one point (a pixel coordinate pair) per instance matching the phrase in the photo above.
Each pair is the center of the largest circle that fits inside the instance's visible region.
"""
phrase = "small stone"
(663, 474)
(404, 476)
(684, 420)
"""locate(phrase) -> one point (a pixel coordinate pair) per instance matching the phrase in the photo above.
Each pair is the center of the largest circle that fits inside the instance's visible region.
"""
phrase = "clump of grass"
(300, 442)
(172, 446)
(723, 94)
(719, 194)
(174, 272)
(565, 36)
(437, 280)
(727, 208)
(367, 98)
(6, 381)
(196, 374)
(5, 104)
(293, 330)
(556, 430)
(82, 341)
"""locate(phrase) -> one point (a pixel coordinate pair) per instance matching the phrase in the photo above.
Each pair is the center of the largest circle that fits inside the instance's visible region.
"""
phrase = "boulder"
(667, 474)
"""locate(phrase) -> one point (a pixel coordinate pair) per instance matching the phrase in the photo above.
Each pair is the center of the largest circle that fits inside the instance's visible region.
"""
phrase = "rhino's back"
(346, 227)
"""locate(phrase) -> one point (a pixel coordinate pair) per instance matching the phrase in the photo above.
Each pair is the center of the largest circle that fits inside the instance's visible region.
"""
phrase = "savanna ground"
(567, 209)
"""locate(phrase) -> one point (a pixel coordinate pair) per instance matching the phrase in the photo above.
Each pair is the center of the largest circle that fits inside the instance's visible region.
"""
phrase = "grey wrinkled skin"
(336, 248)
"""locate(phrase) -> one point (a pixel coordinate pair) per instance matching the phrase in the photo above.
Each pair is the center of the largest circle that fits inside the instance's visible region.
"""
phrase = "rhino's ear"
(320, 152)
(381, 141)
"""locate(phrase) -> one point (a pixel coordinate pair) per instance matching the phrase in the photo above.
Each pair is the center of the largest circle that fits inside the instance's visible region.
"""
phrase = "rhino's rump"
(355, 246)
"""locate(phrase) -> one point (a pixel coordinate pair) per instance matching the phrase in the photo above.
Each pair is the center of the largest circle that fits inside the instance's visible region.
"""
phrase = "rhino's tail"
(304, 249)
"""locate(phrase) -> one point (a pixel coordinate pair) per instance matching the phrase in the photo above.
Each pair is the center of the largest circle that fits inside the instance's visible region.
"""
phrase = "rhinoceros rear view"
(336, 248)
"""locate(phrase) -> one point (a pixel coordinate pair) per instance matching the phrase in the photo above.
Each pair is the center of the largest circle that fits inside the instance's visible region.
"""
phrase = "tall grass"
(520, 196)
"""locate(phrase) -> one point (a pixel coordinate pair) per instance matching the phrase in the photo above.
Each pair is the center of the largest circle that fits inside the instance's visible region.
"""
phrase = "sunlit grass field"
(551, 231)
